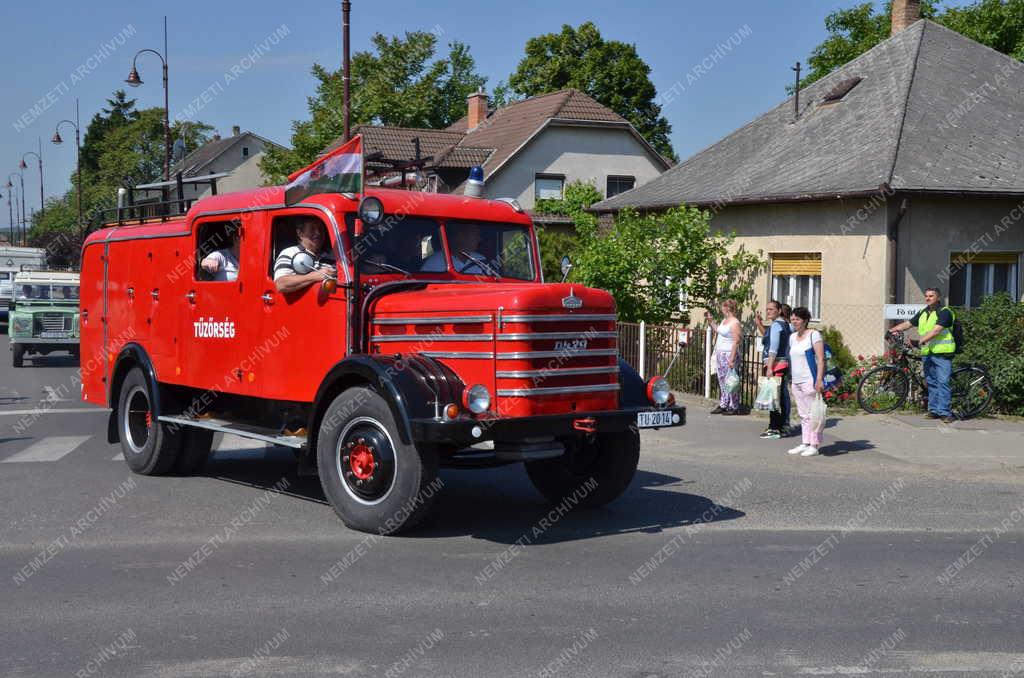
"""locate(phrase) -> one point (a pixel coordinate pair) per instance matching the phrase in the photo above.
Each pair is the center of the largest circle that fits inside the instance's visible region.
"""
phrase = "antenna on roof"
(796, 93)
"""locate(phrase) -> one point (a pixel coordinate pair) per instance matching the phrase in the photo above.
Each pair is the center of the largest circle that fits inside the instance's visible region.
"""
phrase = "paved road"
(725, 558)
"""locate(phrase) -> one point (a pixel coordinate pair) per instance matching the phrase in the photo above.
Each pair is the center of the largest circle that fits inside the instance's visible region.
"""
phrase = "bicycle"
(887, 387)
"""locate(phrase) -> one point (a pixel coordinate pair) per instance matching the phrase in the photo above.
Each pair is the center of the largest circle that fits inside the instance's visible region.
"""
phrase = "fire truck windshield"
(414, 246)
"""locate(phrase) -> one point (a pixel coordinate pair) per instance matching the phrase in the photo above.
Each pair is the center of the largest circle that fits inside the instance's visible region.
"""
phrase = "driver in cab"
(464, 239)
(312, 239)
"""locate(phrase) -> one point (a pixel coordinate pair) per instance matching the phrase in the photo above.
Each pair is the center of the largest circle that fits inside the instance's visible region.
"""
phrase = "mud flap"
(113, 437)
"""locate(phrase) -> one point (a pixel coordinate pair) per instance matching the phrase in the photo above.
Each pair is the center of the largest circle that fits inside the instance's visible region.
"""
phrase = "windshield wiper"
(479, 262)
(391, 267)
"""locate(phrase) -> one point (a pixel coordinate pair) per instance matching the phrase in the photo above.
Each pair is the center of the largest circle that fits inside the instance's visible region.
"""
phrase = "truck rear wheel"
(150, 447)
(374, 481)
(592, 473)
(18, 355)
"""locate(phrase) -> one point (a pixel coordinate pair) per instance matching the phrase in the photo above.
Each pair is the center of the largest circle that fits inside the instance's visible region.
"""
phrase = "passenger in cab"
(222, 264)
(312, 238)
(464, 239)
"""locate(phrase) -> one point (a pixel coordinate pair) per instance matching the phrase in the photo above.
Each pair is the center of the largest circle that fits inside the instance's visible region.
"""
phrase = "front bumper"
(461, 431)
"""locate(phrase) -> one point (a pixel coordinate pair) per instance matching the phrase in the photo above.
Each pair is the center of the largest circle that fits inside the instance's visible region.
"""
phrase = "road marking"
(48, 449)
(233, 442)
(54, 410)
(119, 457)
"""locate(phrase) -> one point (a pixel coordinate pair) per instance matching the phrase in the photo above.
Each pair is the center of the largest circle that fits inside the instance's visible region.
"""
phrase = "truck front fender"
(415, 387)
(632, 389)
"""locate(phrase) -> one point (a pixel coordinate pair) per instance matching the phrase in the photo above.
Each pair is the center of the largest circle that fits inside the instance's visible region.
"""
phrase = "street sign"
(902, 311)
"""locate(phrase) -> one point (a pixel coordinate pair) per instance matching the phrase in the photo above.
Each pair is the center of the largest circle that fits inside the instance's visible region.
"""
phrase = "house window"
(245, 151)
(976, 276)
(796, 280)
(548, 186)
(617, 184)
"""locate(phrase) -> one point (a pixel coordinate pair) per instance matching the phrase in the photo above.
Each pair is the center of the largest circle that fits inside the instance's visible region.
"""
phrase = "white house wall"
(578, 153)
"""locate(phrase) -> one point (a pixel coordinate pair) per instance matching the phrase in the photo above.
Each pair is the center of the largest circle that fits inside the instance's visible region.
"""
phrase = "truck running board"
(242, 430)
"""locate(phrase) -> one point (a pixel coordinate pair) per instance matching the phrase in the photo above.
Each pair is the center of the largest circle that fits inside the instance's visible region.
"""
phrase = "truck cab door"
(303, 333)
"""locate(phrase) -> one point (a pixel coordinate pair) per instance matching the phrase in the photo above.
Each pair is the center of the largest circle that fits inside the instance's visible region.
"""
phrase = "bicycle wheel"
(883, 389)
(971, 388)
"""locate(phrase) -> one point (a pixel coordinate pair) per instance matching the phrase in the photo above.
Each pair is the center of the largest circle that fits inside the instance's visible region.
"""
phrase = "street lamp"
(39, 157)
(135, 80)
(16, 216)
(78, 165)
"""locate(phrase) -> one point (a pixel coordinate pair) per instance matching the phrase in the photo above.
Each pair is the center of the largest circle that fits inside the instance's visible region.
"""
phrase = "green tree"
(120, 112)
(579, 195)
(998, 24)
(400, 83)
(608, 70)
(658, 265)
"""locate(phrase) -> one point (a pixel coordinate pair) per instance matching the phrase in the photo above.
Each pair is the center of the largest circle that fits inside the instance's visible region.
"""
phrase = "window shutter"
(796, 264)
(961, 258)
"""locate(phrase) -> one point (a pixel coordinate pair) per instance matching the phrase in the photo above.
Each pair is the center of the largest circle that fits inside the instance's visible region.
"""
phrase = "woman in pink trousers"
(807, 366)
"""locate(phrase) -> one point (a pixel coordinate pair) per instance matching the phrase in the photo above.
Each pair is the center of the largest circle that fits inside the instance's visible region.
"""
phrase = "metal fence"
(649, 349)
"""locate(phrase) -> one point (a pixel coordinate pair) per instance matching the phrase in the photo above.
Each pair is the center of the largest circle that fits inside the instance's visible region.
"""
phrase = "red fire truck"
(436, 344)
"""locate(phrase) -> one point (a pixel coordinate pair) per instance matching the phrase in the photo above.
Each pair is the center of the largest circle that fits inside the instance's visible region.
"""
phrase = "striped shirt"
(283, 263)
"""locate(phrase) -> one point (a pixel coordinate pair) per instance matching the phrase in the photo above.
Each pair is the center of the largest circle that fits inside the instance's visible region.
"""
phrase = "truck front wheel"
(591, 473)
(149, 446)
(19, 355)
(374, 481)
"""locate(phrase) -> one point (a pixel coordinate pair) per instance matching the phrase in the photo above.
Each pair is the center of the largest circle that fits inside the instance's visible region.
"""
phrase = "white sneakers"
(798, 449)
(804, 450)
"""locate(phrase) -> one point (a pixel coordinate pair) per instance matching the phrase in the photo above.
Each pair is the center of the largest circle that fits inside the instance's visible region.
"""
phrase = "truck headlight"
(658, 390)
(21, 325)
(476, 398)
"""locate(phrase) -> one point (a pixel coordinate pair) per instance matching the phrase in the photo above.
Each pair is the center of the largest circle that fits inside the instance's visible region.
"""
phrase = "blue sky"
(58, 50)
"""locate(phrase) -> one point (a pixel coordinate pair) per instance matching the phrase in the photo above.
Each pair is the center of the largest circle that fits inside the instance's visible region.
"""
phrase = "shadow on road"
(845, 446)
(500, 504)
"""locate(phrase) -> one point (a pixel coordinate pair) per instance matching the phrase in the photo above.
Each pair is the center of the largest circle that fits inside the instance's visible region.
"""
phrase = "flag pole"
(346, 10)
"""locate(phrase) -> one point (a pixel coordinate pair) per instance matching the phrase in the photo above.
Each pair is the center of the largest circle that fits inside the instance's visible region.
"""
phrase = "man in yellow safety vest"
(934, 324)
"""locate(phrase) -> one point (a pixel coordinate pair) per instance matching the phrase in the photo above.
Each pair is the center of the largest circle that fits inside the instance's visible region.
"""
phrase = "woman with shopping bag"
(807, 367)
(727, 347)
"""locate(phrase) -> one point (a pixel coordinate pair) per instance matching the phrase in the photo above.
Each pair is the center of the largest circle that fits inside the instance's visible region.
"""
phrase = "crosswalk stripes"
(50, 448)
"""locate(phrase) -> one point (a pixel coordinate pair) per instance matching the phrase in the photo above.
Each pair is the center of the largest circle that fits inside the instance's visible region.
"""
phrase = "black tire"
(375, 482)
(591, 473)
(18, 356)
(972, 391)
(883, 389)
(150, 447)
(196, 444)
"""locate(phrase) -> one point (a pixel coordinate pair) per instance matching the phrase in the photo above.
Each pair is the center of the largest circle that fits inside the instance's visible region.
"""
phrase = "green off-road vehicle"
(43, 314)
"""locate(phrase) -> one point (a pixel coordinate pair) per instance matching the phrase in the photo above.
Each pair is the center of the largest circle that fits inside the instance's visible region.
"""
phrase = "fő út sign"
(902, 311)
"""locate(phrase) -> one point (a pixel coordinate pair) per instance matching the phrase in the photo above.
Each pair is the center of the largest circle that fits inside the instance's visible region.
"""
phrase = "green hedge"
(994, 338)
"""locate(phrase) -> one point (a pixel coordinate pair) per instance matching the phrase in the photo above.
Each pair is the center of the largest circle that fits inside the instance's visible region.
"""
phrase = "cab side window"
(286, 242)
(218, 250)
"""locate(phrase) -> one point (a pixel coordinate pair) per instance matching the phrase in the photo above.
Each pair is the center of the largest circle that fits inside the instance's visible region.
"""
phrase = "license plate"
(53, 335)
(654, 419)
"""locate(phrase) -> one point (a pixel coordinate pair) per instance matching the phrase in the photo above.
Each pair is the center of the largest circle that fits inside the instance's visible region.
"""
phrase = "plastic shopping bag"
(819, 414)
(732, 382)
(768, 394)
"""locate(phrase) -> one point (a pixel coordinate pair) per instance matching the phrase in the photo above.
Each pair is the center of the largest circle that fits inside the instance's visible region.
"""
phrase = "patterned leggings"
(727, 401)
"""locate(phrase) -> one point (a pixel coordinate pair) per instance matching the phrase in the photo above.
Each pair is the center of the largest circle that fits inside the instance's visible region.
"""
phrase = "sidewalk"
(980, 445)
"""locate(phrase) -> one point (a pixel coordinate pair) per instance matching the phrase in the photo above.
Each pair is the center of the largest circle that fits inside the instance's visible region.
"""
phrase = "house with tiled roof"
(528, 149)
(899, 171)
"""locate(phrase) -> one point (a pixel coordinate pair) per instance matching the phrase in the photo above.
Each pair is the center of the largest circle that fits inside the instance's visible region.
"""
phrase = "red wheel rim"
(362, 462)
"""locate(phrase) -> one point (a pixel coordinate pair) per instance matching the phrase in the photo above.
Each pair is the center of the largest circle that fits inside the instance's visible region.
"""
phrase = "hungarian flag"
(340, 171)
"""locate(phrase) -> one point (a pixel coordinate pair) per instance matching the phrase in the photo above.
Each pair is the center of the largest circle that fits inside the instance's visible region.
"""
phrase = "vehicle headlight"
(371, 210)
(21, 325)
(658, 390)
(476, 398)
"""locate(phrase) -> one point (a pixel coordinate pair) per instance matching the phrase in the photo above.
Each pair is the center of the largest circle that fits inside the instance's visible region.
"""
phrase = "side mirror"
(566, 266)
(303, 263)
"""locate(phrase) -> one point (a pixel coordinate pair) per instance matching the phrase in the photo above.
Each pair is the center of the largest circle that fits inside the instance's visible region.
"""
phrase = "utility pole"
(346, 10)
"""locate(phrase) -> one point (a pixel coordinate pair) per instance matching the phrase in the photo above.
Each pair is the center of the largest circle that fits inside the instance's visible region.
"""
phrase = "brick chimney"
(904, 13)
(477, 105)
(235, 130)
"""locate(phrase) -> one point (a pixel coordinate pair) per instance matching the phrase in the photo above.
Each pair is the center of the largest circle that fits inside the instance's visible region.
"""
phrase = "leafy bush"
(994, 338)
(841, 354)
(553, 246)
